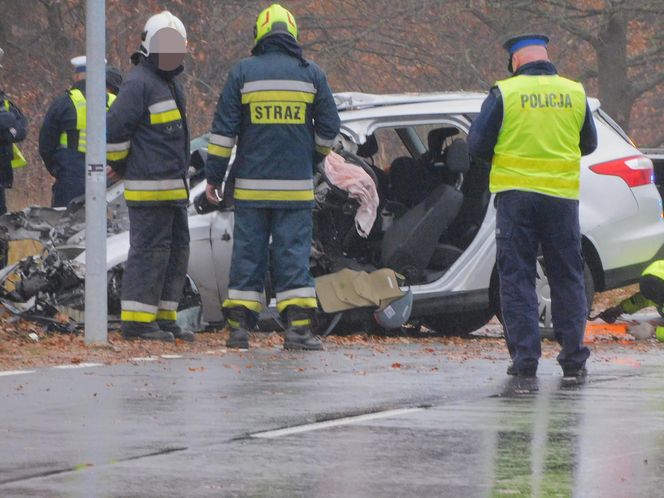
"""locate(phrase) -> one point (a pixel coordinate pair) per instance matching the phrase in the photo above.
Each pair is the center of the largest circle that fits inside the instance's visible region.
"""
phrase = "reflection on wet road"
(340, 423)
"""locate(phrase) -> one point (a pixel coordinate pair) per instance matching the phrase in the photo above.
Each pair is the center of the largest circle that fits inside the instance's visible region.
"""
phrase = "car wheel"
(459, 324)
(543, 291)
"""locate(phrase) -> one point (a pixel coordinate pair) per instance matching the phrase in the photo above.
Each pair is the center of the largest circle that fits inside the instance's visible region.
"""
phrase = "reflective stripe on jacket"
(279, 112)
(148, 138)
(80, 106)
(18, 159)
(538, 144)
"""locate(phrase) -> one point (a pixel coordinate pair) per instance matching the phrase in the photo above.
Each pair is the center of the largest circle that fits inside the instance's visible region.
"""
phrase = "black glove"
(610, 315)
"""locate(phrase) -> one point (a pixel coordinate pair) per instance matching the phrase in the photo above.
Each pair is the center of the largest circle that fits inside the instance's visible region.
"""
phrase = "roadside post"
(96, 308)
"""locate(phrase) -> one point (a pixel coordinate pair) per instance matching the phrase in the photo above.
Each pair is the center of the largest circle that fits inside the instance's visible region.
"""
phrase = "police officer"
(148, 145)
(13, 128)
(533, 128)
(651, 293)
(62, 138)
(278, 109)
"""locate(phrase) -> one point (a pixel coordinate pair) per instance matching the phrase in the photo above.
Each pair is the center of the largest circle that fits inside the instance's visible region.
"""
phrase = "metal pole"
(96, 309)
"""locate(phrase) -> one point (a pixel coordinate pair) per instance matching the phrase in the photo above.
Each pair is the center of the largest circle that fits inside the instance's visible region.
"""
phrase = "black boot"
(298, 335)
(172, 327)
(146, 331)
(241, 321)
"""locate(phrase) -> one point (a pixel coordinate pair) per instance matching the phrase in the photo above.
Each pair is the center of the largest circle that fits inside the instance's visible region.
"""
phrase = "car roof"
(357, 105)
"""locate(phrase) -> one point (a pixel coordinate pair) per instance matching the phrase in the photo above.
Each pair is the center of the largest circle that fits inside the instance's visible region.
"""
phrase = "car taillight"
(635, 171)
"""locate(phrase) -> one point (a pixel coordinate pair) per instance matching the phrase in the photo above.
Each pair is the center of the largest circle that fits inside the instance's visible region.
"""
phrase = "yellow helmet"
(274, 19)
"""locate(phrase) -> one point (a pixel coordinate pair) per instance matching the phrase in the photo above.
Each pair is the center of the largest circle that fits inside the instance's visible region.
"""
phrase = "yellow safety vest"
(78, 99)
(18, 159)
(538, 144)
(656, 268)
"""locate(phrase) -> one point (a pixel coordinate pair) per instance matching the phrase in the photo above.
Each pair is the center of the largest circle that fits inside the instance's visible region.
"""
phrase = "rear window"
(600, 115)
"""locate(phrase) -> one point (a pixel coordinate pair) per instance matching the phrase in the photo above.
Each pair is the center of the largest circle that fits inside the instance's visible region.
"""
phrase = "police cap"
(514, 43)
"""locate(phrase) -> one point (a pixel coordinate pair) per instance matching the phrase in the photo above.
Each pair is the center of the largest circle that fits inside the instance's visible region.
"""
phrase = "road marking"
(16, 372)
(171, 356)
(333, 423)
(80, 365)
(144, 358)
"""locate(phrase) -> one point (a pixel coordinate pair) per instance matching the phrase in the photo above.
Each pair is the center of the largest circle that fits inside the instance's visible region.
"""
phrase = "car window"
(390, 146)
(600, 115)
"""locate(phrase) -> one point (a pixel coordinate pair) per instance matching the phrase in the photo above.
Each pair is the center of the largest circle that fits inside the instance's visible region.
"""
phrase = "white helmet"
(156, 23)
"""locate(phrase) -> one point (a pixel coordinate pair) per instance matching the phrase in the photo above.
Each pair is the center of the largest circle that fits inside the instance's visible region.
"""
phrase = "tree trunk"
(613, 82)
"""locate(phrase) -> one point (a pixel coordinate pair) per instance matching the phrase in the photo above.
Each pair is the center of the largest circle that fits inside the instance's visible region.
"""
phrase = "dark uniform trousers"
(523, 221)
(158, 256)
(291, 231)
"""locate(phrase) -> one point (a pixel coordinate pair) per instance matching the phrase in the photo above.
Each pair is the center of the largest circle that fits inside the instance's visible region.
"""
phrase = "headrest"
(368, 148)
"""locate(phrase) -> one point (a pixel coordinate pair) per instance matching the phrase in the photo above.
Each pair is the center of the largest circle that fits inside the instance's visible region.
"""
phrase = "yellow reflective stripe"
(236, 303)
(218, 150)
(301, 323)
(167, 315)
(63, 139)
(273, 195)
(323, 150)
(278, 95)
(117, 156)
(301, 302)
(558, 187)
(18, 159)
(155, 195)
(165, 117)
(137, 316)
(233, 323)
(535, 165)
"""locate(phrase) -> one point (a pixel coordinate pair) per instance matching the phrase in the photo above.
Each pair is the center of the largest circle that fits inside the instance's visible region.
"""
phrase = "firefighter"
(148, 145)
(62, 138)
(651, 293)
(533, 128)
(13, 129)
(278, 109)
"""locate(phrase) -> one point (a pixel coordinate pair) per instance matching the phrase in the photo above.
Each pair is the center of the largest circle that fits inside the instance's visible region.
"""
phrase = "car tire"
(544, 297)
(458, 324)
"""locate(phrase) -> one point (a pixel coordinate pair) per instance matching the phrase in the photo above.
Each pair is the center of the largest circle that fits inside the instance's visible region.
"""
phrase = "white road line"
(171, 356)
(333, 423)
(144, 358)
(15, 372)
(79, 365)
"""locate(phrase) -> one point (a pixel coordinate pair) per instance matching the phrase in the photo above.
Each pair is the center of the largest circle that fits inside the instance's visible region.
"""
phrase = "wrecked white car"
(434, 220)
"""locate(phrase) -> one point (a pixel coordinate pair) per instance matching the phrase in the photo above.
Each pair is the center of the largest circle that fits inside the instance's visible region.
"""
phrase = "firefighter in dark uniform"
(279, 111)
(533, 128)
(62, 138)
(13, 129)
(148, 145)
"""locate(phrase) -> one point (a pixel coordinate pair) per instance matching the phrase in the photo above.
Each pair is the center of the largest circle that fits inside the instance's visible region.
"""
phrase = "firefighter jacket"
(62, 138)
(148, 137)
(13, 128)
(279, 111)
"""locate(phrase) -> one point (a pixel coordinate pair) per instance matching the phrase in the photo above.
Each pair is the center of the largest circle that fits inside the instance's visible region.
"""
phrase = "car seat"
(411, 240)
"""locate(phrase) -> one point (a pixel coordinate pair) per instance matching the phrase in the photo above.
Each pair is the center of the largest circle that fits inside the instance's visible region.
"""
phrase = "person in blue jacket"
(148, 145)
(533, 128)
(278, 109)
(62, 137)
(13, 129)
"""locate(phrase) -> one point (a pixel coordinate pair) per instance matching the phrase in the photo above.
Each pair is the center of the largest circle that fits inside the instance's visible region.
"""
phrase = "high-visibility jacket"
(79, 137)
(537, 148)
(148, 137)
(280, 111)
(18, 159)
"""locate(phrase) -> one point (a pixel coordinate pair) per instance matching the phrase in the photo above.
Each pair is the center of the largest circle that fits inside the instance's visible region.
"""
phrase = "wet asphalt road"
(425, 425)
